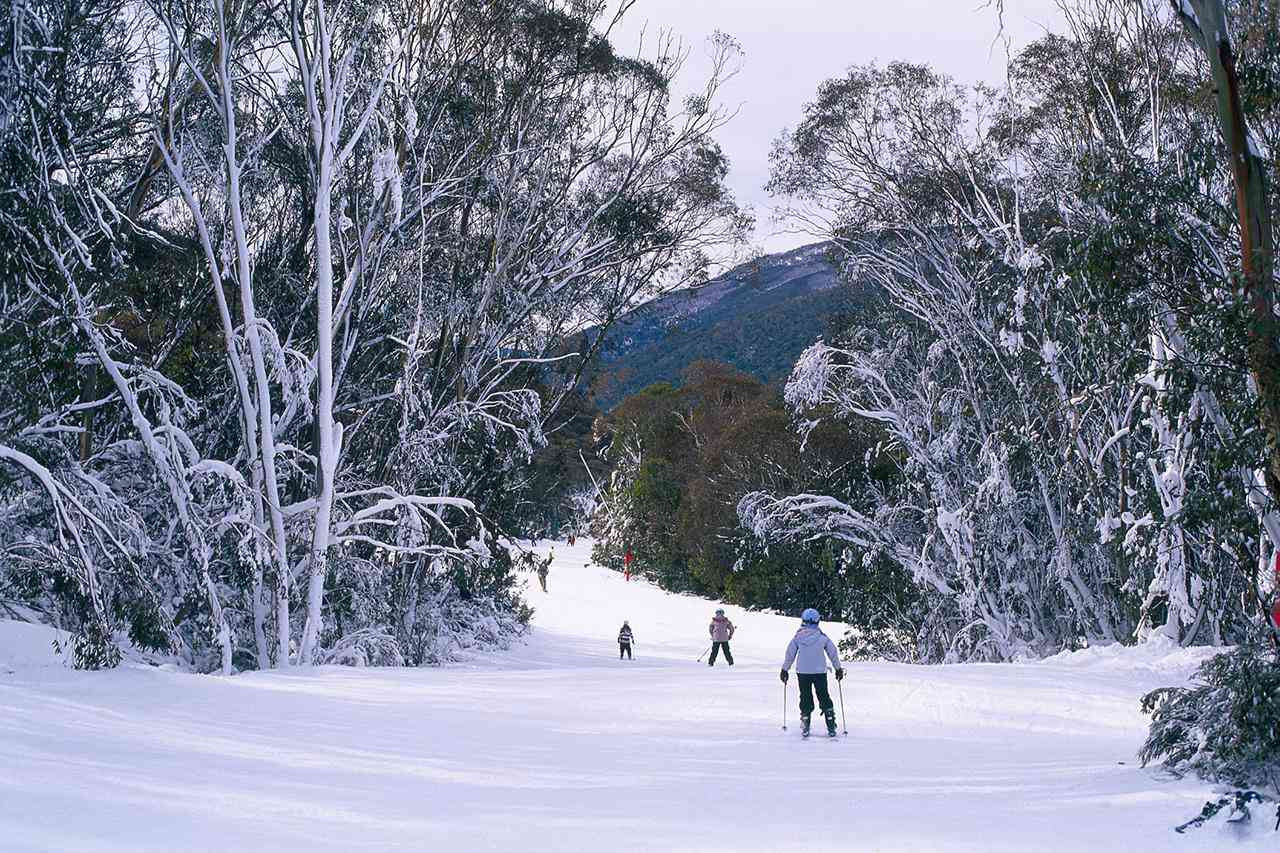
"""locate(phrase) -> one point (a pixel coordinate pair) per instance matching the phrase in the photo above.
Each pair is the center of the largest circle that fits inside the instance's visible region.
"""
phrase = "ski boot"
(830, 715)
(804, 725)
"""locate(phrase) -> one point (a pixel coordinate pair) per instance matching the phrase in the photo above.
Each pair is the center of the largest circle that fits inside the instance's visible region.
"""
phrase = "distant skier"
(806, 651)
(721, 630)
(573, 540)
(544, 568)
(626, 565)
(625, 639)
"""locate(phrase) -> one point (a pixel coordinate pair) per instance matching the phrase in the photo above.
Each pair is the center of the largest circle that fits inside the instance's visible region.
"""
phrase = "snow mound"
(1159, 658)
(24, 645)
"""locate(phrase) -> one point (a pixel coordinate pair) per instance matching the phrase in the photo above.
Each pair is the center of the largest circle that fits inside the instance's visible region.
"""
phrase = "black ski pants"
(624, 649)
(715, 649)
(809, 684)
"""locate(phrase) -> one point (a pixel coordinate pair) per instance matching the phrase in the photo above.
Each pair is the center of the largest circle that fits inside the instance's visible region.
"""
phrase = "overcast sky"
(791, 46)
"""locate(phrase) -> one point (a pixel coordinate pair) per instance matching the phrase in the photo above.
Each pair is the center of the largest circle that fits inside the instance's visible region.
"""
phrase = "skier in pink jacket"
(721, 633)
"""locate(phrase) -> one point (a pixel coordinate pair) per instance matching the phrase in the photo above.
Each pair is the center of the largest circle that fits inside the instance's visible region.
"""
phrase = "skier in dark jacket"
(625, 639)
(544, 567)
(808, 650)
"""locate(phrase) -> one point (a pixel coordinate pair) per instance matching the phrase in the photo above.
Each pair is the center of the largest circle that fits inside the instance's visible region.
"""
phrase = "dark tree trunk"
(1206, 21)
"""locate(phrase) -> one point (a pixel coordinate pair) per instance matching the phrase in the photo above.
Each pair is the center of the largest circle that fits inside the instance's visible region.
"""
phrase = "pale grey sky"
(791, 46)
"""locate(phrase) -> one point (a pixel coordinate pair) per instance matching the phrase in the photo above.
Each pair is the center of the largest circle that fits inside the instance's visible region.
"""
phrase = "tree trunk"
(325, 102)
(1206, 21)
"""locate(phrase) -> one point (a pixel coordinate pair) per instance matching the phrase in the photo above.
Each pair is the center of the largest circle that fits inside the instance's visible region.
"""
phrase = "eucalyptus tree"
(68, 130)
(289, 304)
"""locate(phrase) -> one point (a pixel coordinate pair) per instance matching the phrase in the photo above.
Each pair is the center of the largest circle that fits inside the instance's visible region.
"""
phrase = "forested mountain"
(757, 317)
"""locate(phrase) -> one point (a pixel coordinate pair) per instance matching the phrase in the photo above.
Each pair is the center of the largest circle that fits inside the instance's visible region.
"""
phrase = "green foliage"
(91, 650)
(684, 457)
(790, 578)
(1227, 728)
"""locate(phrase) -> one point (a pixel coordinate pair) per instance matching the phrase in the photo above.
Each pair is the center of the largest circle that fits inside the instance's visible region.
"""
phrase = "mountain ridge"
(759, 316)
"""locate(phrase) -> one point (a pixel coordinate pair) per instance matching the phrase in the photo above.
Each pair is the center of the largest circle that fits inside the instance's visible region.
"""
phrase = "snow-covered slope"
(559, 746)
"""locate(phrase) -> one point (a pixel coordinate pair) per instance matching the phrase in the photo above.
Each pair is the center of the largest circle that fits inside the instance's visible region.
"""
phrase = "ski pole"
(784, 706)
(704, 653)
(843, 719)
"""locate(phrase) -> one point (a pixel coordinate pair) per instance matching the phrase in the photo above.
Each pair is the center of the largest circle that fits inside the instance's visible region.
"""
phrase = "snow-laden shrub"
(365, 647)
(93, 651)
(880, 643)
(1225, 729)
(450, 626)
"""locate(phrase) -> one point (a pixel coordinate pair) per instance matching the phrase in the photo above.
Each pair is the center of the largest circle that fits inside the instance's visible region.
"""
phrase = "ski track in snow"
(559, 746)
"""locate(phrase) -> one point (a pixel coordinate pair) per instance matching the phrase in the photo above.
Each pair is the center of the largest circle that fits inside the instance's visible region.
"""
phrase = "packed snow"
(559, 746)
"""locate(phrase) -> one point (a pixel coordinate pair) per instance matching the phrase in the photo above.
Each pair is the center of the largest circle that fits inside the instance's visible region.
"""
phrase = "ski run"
(557, 745)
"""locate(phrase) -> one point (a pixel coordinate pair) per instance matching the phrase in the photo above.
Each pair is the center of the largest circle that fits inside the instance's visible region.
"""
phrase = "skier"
(721, 633)
(626, 566)
(806, 651)
(625, 639)
(544, 568)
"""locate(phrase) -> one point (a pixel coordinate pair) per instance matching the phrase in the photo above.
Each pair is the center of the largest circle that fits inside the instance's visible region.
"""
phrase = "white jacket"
(806, 651)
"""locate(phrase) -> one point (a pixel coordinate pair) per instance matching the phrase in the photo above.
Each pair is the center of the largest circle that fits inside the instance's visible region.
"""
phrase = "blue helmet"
(810, 616)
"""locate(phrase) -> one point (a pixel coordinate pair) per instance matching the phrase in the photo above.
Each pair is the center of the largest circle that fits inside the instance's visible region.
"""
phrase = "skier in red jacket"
(1275, 606)
(626, 565)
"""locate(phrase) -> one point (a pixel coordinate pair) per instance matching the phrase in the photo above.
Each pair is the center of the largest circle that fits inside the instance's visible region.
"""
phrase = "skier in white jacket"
(809, 650)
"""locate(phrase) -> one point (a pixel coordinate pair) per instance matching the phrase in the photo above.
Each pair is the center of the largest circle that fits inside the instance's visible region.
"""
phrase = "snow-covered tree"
(1059, 366)
(290, 307)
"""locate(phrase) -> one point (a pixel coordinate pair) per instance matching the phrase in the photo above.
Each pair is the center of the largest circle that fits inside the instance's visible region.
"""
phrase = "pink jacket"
(721, 629)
